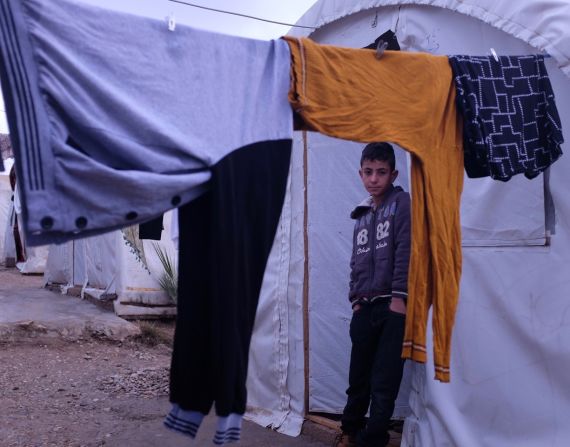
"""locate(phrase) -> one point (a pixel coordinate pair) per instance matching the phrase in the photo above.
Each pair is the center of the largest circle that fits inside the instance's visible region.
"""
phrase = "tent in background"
(35, 257)
(5, 206)
(116, 266)
(510, 347)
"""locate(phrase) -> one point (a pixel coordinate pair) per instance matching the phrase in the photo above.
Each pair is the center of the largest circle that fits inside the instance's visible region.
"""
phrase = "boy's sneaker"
(344, 440)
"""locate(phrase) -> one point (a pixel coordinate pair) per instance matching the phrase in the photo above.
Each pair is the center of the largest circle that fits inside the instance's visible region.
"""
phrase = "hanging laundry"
(389, 37)
(407, 99)
(151, 229)
(510, 120)
(109, 135)
(226, 238)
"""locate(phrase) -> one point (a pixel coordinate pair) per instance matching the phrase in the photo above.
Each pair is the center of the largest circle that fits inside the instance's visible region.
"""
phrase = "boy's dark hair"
(379, 151)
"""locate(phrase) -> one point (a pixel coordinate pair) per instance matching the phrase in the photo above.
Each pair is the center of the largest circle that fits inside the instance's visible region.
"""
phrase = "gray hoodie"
(381, 248)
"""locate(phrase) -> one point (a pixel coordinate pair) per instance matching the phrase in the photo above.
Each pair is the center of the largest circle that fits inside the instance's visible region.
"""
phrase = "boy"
(378, 292)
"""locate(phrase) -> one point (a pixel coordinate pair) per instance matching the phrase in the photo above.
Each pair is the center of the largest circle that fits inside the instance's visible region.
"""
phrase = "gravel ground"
(80, 394)
(94, 392)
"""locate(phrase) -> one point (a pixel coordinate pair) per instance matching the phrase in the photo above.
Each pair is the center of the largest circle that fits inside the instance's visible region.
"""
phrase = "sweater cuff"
(400, 294)
(355, 301)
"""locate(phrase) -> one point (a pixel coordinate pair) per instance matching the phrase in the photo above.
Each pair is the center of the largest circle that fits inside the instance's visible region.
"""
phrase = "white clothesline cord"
(240, 14)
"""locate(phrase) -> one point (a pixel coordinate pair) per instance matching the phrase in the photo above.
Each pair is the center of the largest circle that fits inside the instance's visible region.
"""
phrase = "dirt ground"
(83, 393)
(95, 392)
(89, 393)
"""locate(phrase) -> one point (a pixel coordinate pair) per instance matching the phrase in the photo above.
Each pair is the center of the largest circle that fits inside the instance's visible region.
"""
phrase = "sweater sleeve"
(402, 226)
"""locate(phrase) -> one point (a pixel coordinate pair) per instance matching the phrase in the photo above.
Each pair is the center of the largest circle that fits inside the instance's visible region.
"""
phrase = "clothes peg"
(382, 45)
(494, 53)
(171, 22)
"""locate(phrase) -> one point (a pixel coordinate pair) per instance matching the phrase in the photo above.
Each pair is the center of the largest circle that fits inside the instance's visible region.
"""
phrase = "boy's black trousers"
(376, 368)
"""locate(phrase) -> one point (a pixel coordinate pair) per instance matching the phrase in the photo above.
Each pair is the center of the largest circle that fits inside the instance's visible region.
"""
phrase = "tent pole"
(306, 275)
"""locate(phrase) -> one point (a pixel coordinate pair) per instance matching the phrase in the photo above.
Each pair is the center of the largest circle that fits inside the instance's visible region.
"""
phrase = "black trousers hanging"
(225, 239)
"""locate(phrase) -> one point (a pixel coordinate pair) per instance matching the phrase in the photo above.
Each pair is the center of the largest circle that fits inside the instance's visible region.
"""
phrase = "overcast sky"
(288, 11)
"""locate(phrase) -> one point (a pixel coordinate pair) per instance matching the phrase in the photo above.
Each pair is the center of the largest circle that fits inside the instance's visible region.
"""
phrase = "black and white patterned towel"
(510, 121)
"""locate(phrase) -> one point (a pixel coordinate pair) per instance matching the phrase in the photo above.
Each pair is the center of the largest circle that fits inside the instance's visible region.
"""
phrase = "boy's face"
(377, 176)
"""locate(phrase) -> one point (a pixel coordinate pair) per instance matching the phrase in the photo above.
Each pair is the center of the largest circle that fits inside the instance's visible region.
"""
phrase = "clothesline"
(222, 11)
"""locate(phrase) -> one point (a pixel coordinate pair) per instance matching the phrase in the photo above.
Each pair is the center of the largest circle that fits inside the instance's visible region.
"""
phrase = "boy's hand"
(356, 308)
(397, 305)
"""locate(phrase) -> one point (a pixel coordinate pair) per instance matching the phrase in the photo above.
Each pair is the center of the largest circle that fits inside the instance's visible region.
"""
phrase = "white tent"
(5, 204)
(118, 265)
(510, 346)
(35, 257)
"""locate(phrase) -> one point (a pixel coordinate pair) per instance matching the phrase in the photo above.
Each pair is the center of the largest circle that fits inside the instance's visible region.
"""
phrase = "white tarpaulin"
(116, 263)
(36, 257)
(275, 380)
(542, 24)
(5, 206)
(510, 352)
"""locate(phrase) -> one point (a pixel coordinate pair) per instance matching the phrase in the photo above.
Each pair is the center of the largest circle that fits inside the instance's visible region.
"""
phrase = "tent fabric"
(109, 264)
(35, 257)
(543, 25)
(510, 344)
(59, 269)
(275, 380)
(5, 209)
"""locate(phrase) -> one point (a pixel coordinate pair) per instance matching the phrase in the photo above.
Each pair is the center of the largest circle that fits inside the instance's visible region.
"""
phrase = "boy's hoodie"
(381, 248)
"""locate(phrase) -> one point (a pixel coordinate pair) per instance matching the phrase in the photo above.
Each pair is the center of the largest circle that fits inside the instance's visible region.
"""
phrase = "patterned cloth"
(510, 121)
(228, 428)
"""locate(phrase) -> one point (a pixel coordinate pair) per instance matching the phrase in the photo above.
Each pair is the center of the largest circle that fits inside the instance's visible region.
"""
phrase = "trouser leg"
(387, 370)
(227, 235)
(248, 195)
(192, 373)
(361, 358)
